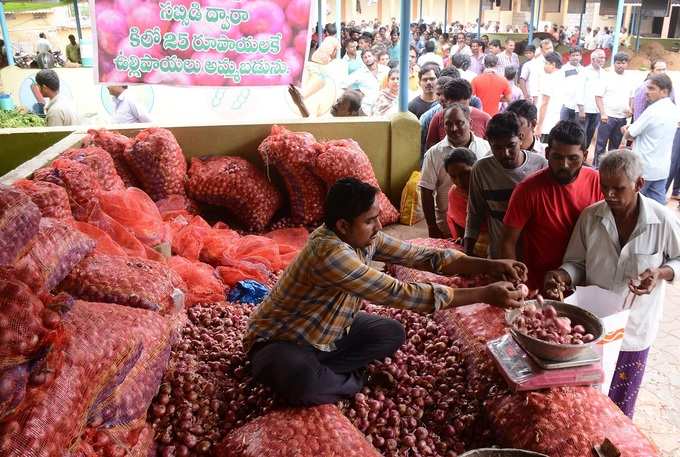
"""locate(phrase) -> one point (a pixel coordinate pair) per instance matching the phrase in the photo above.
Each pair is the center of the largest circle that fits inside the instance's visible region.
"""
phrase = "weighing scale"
(524, 371)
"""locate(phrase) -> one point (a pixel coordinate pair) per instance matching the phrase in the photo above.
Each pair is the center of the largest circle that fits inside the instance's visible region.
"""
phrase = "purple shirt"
(640, 102)
(477, 64)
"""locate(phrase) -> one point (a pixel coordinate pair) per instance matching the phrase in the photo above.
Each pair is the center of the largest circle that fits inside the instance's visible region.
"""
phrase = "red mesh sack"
(536, 420)
(80, 182)
(24, 323)
(13, 383)
(51, 419)
(566, 421)
(406, 274)
(292, 154)
(129, 281)
(115, 144)
(240, 270)
(176, 205)
(238, 186)
(188, 235)
(290, 241)
(133, 209)
(338, 159)
(116, 231)
(202, 283)
(128, 400)
(100, 162)
(104, 244)
(133, 440)
(51, 199)
(19, 219)
(156, 159)
(51, 255)
(248, 257)
(318, 431)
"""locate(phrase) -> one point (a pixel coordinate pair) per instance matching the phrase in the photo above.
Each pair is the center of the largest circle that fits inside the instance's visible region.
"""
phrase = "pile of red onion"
(428, 410)
(425, 408)
(206, 390)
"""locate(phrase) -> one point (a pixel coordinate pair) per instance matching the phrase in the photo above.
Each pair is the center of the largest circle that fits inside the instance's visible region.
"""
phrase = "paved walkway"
(658, 406)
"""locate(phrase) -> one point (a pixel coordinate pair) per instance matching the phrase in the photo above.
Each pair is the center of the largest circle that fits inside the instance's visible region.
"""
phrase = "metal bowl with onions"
(556, 351)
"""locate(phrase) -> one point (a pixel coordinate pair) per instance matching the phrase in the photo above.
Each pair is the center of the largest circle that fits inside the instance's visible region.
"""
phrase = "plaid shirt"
(318, 295)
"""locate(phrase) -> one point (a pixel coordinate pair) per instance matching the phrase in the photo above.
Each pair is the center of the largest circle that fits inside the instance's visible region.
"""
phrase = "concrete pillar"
(666, 26)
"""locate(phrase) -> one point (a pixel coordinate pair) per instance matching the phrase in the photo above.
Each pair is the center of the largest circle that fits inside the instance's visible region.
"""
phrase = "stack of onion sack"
(238, 186)
(424, 408)
(112, 364)
(50, 256)
(51, 199)
(338, 159)
(406, 274)
(564, 421)
(129, 281)
(157, 161)
(101, 164)
(19, 222)
(115, 144)
(32, 343)
(206, 390)
(80, 182)
(293, 156)
(309, 432)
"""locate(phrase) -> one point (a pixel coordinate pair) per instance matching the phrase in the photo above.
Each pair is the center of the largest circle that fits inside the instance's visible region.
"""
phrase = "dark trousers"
(609, 137)
(589, 125)
(568, 114)
(305, 376)
(674, 174)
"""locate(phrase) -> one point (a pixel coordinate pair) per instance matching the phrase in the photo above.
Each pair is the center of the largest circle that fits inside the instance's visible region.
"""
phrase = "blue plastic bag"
(248, 291)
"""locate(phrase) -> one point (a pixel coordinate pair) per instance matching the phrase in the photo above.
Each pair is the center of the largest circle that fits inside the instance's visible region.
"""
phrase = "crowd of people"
(505, 143)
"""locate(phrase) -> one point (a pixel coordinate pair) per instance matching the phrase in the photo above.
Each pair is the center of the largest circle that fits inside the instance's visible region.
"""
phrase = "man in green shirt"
(73, 50)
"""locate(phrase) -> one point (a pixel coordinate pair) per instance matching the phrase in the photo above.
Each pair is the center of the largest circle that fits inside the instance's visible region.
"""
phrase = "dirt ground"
(649, 52)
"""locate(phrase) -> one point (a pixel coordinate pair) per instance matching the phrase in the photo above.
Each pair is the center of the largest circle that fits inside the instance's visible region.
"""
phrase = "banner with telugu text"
(200, 42)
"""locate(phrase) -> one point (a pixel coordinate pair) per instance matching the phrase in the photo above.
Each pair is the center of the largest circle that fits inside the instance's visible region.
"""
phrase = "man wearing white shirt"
(551, 95)
(42, 46)
(653, 132)
(430, 56)
(573, 71)
(125, 109)
(368, 80)
(593, 79)
(460, 47)
(537, 72)
(614, 101)
(435, 182)
(627, 244)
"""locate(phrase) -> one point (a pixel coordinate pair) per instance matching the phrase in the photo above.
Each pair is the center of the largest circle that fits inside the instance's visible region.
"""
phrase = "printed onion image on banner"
(201, 42)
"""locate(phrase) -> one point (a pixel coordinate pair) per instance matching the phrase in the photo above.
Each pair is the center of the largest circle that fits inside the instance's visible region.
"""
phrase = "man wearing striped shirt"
(507, 58)
(308, 339)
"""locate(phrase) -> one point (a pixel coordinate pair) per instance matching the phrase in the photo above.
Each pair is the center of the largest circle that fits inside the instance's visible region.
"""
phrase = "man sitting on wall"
(308, 339)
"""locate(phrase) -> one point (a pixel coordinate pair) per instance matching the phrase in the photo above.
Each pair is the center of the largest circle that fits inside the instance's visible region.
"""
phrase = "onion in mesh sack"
(238, 186)
(157, 161)
(292, 155)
